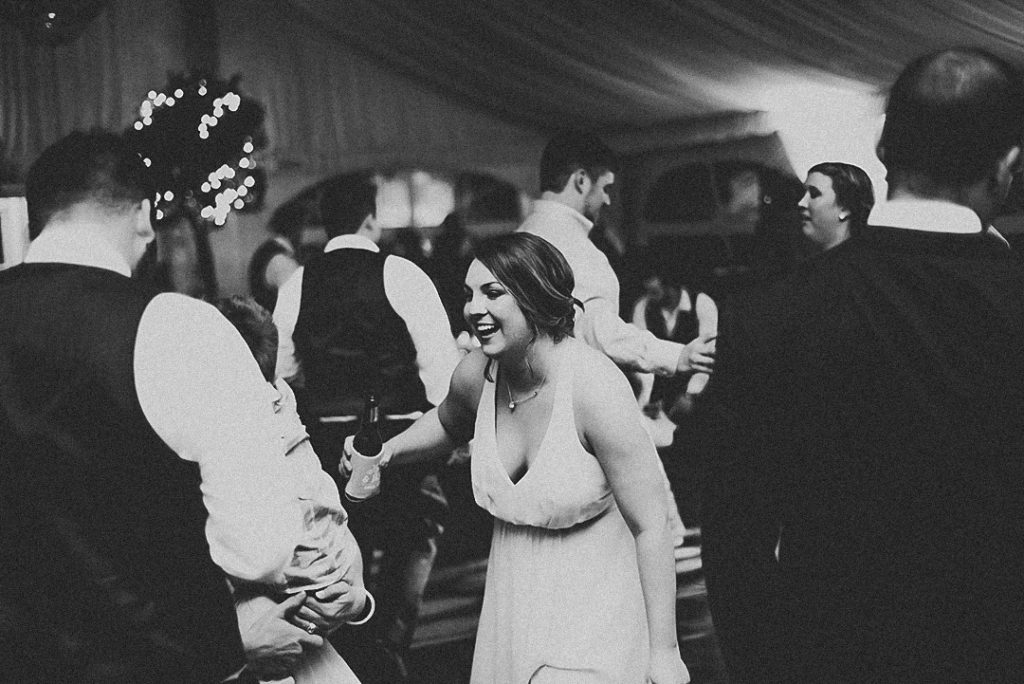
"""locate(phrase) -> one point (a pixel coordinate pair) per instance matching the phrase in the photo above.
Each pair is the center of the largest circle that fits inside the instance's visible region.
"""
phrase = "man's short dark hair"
(346, 201)
(257, 328)
(951, 115)
(95, 166)
(572, 150)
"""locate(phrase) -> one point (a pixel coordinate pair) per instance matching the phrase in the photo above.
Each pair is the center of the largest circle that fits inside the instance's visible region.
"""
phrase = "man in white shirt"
(576, 173)
(139, 462)
(354, 321)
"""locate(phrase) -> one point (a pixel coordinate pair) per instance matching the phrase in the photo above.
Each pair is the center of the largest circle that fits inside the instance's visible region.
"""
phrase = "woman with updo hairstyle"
(538, 277)
(581, 575)
(837, 200)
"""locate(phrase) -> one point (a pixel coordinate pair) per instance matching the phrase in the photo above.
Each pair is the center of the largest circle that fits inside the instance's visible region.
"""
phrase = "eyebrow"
(489, 283)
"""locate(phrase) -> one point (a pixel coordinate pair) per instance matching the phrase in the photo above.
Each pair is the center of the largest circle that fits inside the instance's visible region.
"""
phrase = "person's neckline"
(555, 383)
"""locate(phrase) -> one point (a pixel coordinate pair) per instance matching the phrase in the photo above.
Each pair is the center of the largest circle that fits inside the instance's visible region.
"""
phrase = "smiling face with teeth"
(493, 314)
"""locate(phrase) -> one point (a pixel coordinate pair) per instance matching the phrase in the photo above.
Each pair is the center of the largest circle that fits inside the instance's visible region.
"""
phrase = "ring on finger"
(310, 628)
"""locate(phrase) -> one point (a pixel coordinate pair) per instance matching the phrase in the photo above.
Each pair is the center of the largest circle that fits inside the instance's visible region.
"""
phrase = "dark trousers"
(397, 531)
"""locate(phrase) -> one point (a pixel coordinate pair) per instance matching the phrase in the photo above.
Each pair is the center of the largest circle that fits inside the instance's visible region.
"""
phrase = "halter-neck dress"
(562, 602)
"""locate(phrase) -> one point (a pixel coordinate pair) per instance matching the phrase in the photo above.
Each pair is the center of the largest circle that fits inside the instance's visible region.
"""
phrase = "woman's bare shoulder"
(591, 365)
(597, 381)
(468, 377)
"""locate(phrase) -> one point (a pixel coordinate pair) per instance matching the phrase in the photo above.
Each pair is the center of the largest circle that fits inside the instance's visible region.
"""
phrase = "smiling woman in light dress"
(581, 579)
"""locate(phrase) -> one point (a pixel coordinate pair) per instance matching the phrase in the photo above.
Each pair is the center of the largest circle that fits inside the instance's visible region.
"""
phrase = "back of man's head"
(951, 115)
(96, 168)
(346, 201)
(569, 151)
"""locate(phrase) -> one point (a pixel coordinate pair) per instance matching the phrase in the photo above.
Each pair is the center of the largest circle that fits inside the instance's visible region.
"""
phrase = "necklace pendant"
(511, 406)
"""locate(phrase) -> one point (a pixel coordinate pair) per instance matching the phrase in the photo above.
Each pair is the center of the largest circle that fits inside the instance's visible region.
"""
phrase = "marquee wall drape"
(479, 85)
(330, 109)
(98, 79)
(359, 81)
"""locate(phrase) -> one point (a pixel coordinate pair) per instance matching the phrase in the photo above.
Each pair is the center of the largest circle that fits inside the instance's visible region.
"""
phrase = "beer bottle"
(367, 446)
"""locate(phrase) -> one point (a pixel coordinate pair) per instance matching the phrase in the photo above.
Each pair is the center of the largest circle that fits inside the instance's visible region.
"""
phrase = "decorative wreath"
(199, 136)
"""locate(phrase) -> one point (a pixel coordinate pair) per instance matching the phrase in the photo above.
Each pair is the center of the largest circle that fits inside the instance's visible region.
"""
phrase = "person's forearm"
(423, 440)
(626, 344)
(658, 582)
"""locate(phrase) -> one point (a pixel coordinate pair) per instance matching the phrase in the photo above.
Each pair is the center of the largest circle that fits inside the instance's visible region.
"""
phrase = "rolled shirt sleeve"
(597, 288)
(414, 298)
(286, 315)
(599, 326)
(203, 394)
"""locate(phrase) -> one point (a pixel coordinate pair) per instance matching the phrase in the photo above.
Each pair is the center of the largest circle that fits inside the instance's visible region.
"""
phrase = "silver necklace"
(512, 403)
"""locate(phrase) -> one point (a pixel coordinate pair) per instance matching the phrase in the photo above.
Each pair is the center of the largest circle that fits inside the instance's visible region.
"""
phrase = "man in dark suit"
(864, 517)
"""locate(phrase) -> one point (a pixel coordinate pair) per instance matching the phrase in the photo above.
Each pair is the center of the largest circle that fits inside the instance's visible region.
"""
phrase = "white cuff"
(366, 618)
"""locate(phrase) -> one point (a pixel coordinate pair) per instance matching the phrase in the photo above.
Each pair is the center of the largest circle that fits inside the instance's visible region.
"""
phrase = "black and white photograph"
(511, 342)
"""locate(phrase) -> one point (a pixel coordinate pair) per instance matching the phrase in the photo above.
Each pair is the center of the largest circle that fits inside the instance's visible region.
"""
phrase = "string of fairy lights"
(200, 137)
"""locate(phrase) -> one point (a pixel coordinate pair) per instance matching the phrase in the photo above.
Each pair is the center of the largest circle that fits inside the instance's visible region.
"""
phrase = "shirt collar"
(543, 206)
(998, 236)
(933, 216)
(351, 241)
(66, 245)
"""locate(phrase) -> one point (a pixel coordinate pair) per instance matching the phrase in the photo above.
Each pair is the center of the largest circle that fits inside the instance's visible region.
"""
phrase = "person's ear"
(367, 225)
(143, 218)
(581, 181)
(1009, 163)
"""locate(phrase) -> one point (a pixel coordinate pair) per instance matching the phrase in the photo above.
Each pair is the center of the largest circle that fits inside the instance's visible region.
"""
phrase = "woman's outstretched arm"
(449, 425)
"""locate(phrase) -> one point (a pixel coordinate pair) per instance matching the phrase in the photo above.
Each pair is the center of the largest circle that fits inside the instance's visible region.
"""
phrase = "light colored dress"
(562, 602)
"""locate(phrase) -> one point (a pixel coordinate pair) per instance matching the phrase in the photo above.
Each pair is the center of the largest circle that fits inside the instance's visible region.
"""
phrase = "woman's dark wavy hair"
(537, 276)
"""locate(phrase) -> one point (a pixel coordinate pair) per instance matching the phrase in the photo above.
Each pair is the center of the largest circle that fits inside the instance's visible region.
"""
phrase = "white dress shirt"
(597, 286)
(411, 294)
(923, 214)
(930, 215)
(202, 392)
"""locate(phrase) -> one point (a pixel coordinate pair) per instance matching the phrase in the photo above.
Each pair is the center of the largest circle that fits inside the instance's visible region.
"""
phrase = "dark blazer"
(867, 415)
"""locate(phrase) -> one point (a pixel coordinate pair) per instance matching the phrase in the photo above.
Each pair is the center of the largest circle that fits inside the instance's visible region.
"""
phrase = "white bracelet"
(366, 618)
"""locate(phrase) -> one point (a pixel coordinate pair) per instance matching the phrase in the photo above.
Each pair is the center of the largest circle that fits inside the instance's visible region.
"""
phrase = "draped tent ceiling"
(356, 82)
(614, 64)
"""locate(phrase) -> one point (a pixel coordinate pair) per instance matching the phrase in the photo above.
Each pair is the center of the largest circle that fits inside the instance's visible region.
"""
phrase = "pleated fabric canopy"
(478, 83)
(610, 63)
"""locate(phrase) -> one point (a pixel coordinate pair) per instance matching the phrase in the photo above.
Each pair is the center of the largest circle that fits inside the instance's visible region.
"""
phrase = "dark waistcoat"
(105, 571)
(351, 341)
(668, 388)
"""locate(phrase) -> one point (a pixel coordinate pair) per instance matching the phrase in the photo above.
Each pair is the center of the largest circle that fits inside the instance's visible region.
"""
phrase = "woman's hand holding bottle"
(350, 454)
(363, 452)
